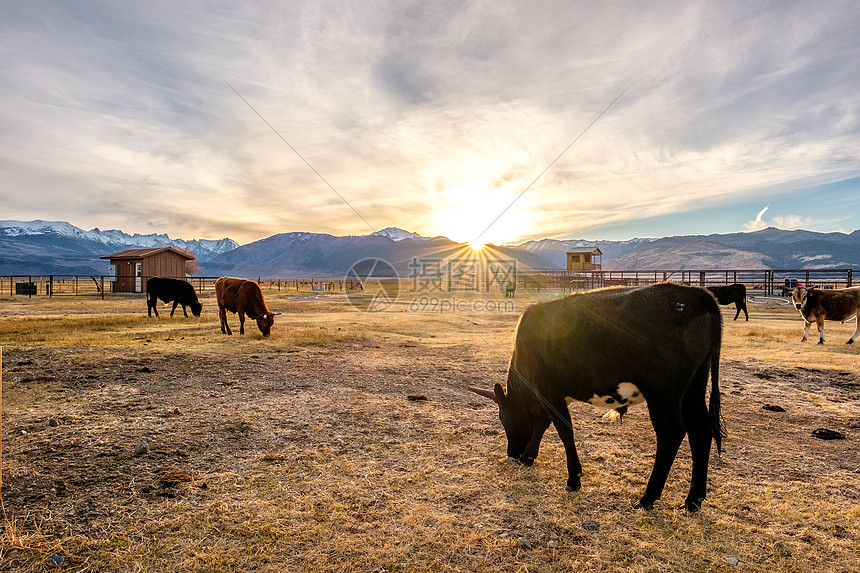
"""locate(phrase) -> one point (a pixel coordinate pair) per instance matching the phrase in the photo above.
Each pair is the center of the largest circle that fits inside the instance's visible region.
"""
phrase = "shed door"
(138, 286)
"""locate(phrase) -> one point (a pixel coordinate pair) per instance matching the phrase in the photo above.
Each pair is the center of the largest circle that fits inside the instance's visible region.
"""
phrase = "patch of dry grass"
(302, 452)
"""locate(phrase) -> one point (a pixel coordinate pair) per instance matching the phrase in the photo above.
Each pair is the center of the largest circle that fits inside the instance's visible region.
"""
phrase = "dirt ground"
(362, 451)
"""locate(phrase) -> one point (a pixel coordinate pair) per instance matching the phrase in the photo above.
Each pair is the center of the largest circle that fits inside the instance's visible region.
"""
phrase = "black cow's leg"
(560, 416)
(744, 308)
(737, 311)
(665, 414)
(694, 411)
(172, 310)
(539, 426)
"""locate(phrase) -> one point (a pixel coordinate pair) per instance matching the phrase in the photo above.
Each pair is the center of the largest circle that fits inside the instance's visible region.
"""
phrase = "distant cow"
(615, 348)
(510, 289)
(734, 293)
(245, 297)
(820, 305)
(171, 290)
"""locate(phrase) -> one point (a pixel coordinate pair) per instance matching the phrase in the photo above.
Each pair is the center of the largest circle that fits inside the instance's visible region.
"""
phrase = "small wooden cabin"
(584, 259)
(130, 269)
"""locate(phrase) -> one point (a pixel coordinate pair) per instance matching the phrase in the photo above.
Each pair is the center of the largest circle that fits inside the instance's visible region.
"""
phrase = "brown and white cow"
(819, 305)
(245, 297)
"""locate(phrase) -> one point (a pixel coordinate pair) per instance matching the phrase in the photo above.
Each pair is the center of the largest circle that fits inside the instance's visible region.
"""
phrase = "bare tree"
(191, 265)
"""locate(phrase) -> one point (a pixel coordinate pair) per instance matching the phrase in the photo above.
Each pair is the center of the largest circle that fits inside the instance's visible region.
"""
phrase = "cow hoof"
(527, 460)
(850, 341)
(693, 506)
(820, 342)
(642, 504)
(573, 485)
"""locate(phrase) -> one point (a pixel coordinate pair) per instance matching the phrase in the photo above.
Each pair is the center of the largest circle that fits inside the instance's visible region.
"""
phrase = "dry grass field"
(308, 450)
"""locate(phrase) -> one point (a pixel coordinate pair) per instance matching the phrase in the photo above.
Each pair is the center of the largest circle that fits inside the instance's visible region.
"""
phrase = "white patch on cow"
(628, 392)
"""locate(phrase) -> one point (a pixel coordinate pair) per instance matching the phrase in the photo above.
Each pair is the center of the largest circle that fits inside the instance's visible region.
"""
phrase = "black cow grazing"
(171, 290)
(734, 293)
(615, 348)
(820, 305)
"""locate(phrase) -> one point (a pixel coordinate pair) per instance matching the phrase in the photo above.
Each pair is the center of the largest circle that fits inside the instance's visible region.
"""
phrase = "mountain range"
(46, 247)
(58, 248)
(769, 248)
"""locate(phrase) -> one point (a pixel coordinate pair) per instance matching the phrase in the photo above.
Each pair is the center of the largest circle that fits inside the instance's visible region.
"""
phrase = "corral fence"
(765, 281)
(100, 285)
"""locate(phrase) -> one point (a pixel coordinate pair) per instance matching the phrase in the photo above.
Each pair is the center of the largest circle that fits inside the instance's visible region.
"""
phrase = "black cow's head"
(517, 421)
(196, 307)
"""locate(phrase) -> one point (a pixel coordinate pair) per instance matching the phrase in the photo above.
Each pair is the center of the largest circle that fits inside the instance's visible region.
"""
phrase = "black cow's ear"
(500, 393)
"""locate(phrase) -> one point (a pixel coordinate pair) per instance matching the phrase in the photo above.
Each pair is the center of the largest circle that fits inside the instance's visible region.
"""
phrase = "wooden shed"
(584, 259)
(130, 269)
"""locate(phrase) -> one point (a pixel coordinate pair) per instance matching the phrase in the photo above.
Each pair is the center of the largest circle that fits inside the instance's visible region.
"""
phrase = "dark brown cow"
(615, 348)
(734, 293)
(245, 297)
(819, 305)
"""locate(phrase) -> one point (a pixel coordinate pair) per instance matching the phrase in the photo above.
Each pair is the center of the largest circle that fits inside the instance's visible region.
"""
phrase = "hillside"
(45, 247)
(57, 247)
(769, 248)
(317, 254)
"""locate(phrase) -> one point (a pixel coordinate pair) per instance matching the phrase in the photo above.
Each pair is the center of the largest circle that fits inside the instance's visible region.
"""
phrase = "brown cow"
(820, 305)
(245, 297)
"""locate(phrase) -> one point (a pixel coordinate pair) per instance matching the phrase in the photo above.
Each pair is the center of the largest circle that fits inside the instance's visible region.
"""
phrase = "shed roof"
(587, 250)
(143, 253)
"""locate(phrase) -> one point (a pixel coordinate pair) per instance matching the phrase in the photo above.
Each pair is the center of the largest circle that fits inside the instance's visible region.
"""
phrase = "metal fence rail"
(765, 281)
(81, 285)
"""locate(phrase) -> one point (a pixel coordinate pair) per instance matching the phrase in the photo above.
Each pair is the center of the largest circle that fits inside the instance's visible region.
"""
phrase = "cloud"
(792, 222)
(396, 105)
(757, 224)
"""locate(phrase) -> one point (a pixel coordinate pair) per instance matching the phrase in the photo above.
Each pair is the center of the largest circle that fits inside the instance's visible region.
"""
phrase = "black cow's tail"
(718, 428)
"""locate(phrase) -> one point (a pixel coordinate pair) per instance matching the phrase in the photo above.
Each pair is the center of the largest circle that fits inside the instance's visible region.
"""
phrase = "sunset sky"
(487, 119)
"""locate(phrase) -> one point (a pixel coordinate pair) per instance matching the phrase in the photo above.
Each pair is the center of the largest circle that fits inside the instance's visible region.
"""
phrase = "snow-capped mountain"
(203, 249)
(57, 247)
(396, 234)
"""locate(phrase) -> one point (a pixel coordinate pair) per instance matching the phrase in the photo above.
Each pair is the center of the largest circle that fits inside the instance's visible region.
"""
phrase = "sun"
(477, 215)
